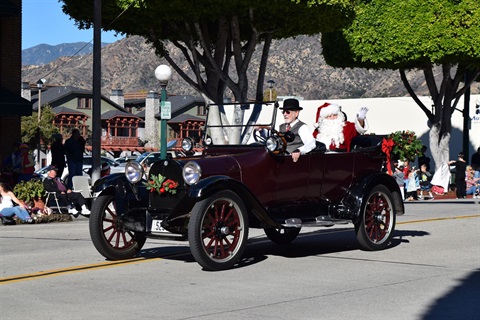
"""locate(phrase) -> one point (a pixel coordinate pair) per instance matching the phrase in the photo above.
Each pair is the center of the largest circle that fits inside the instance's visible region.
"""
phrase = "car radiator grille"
(163, 203)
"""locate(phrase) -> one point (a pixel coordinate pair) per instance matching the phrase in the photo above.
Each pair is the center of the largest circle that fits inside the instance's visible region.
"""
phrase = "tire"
(377, 221)
(218, 231)
(282, 236)
(109, 237)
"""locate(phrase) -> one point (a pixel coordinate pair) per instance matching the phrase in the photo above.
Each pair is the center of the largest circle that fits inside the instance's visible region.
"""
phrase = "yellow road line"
(56, 272)
(112, 264)
(438, 219)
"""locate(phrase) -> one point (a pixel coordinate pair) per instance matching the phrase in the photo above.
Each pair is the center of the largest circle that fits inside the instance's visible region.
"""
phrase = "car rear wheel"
(377, 221)
(282, 236)
(218, 231)
(108, 235)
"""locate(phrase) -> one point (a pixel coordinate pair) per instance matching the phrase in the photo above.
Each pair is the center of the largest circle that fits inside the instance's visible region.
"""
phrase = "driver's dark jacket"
(297, 142)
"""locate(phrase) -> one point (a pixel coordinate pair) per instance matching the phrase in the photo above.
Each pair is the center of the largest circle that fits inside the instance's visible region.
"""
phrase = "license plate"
(157, 226)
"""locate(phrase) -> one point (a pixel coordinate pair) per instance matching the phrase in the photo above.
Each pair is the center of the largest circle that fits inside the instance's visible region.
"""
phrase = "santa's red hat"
(328, 109)
(323, 111)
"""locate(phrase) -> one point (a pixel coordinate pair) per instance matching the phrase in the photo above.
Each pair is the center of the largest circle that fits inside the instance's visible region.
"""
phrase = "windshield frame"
(255, 115)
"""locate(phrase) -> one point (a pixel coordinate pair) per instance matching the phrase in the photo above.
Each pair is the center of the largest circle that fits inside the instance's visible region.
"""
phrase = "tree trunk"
(439, 146)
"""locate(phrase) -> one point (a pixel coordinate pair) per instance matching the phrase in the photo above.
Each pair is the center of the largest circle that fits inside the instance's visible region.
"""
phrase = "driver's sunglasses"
(286, 111)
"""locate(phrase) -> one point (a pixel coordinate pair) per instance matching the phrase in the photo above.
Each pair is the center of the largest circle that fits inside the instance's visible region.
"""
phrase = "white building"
(387, 115)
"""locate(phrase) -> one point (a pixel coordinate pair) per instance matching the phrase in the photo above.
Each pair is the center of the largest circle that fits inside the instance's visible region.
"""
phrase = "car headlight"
(133, 172)
(272, 144)
(187, 144)
(191, 172)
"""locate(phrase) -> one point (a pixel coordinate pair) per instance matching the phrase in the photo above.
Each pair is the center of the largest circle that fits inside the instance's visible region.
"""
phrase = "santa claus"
(334, 131)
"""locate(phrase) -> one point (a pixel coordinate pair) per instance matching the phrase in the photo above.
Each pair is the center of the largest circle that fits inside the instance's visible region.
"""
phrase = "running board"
(320, 221)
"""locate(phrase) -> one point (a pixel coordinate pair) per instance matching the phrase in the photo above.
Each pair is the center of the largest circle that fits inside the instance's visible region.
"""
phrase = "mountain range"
(45, 53)
(296, 66)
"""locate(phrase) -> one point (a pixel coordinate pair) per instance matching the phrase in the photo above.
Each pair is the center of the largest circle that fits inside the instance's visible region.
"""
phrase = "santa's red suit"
(336, 134)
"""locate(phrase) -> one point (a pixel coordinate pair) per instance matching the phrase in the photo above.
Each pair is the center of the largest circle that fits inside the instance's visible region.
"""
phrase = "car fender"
(353, 200)
(127, 195)
(209, 186)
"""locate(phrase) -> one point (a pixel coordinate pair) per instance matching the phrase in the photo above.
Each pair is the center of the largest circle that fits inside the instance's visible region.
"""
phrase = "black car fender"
(211, 185)
(127, 195)
(353, 200)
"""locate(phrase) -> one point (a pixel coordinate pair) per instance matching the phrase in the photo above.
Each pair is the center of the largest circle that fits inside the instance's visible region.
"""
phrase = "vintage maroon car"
(245, 180)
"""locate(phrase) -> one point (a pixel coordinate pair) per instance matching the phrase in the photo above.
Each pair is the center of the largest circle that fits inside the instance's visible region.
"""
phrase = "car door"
(338, 175)
(292, 179)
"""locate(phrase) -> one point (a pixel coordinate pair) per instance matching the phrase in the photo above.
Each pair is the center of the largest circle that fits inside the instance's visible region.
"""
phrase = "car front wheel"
(218, 231)
(108, 235)
(377, 221)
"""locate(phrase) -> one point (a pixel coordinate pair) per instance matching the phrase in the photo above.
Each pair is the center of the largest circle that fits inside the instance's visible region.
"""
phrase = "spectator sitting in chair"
(65, 196)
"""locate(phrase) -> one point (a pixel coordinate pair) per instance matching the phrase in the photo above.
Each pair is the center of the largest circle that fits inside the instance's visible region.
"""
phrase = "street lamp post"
(39, 111)
(40, 86)
(163, 73)
(270, 85)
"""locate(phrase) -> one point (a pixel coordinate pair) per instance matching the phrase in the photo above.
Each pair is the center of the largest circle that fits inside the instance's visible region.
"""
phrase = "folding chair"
(82, 185)
(52, 203)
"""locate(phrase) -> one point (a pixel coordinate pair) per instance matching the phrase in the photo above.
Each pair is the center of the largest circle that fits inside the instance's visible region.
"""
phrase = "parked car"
(241, 181)
(154, 156)
(87, 164)
(114, 165)
(123, 160)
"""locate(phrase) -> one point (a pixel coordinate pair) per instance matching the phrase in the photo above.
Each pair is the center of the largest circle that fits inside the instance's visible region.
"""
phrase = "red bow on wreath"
(387, 146)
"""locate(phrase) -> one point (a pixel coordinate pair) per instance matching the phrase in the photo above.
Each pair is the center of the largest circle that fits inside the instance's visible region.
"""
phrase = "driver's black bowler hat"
(291, 104)
(52, 168)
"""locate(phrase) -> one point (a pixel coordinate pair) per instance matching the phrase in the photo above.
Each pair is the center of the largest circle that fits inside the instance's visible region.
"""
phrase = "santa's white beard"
(331, 131)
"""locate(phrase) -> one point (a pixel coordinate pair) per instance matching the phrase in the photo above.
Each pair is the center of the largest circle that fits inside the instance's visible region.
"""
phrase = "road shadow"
(461, 302)
(308, 243)
(402, 236)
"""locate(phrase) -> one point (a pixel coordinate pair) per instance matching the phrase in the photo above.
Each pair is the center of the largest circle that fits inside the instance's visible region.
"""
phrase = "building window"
(201, 111)
(84, 103)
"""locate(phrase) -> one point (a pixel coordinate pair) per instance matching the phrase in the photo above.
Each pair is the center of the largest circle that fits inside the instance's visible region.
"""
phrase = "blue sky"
(43, 21)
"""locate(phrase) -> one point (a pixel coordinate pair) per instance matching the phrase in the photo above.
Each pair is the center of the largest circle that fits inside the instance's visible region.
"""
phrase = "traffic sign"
(165, 110)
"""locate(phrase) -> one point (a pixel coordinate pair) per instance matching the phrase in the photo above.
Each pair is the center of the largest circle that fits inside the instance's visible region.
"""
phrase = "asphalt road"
(430, 271)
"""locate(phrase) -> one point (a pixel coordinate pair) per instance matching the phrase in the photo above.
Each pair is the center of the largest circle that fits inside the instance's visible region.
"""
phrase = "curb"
(462, 201)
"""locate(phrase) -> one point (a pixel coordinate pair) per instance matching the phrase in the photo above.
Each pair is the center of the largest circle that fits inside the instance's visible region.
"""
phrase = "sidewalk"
(446, 197)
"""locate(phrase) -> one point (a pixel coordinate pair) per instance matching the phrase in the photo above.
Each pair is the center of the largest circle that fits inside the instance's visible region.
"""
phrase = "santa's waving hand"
(334, 131)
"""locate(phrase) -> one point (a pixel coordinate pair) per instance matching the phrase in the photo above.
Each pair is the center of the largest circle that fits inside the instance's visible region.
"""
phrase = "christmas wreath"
(406, 145)
(160, 184)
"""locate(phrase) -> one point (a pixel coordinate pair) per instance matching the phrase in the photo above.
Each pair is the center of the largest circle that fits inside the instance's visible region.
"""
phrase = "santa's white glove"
(362, 113)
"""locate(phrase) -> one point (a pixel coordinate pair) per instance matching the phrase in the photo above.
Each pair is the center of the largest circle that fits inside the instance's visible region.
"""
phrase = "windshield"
(141, 157)
(233, 124)
(148, 157)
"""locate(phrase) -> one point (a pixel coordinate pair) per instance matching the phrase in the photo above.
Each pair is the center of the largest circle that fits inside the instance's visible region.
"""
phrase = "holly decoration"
(160, 184)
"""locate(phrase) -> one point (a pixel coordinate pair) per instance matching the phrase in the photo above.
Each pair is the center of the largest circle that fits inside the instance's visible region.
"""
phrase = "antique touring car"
(244, 180)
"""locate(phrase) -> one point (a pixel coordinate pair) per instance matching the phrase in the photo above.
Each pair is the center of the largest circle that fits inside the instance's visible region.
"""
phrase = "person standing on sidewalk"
(74, 149)
(58, 153)
(460, 169)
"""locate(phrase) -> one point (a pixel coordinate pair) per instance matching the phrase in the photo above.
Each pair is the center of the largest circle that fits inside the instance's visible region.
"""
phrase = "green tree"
(31, 128)
(416, 34)
(217, 38)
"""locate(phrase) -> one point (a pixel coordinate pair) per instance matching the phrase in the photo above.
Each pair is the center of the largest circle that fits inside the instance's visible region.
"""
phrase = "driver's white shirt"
(306, 136)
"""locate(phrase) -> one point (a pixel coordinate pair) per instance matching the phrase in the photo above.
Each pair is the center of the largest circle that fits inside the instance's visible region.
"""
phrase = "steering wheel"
(258, 137)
